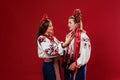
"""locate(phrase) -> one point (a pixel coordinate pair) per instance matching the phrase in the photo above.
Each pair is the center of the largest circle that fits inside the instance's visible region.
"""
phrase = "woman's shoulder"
(84, 35)
(41, 38)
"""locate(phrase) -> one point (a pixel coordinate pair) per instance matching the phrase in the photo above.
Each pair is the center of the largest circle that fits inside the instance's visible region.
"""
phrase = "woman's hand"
(68, 40)
(72, 66)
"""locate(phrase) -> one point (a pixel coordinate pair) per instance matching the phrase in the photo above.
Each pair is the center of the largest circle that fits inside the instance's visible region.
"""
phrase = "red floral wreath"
(44, 18)
(77, 14)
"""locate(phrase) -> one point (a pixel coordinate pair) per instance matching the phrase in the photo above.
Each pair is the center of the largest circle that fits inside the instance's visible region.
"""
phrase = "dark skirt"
(81, 75)
(48, 71)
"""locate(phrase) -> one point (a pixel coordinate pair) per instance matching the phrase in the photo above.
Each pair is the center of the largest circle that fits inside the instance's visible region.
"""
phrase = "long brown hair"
(43, 27)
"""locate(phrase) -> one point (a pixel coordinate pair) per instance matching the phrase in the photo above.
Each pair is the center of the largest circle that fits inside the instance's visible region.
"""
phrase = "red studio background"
(18, 29)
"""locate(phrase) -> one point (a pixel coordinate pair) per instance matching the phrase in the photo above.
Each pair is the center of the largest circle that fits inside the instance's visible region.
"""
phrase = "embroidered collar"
(49, 37)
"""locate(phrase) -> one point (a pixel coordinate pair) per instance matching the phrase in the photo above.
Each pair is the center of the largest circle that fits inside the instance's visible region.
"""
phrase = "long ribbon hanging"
(77, 48)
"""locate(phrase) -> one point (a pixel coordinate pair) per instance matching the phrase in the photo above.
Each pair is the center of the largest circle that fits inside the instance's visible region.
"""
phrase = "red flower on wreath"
(44, 18)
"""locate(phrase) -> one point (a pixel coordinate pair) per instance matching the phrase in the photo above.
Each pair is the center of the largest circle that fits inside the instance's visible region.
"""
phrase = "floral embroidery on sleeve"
(42, 39)
(52, 51)
(85, 41)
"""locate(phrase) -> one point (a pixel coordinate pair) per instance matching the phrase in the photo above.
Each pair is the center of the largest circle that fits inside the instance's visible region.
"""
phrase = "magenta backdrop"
(18, 27)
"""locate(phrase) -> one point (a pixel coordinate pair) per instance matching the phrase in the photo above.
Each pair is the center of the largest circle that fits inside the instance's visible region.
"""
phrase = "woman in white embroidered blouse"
(78, 51)
(49, 48)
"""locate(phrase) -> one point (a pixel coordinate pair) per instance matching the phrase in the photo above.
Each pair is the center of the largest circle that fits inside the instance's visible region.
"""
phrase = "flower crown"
(44, 18)
(77, 15)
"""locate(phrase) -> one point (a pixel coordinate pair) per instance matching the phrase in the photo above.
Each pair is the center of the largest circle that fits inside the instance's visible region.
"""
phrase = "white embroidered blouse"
(85, 49)
(49, 48)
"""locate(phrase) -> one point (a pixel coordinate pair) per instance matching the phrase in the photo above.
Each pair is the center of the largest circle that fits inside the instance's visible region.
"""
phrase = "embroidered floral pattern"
(85, 41)
(42, 39)
(52, 50)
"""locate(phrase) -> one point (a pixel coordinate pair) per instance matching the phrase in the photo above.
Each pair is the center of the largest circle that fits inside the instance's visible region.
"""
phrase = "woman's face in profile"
(71, 24)
(50, 29)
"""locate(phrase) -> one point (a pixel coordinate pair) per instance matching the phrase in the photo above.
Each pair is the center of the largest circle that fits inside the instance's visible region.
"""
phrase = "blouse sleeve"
(48, 48)
(85, 51)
